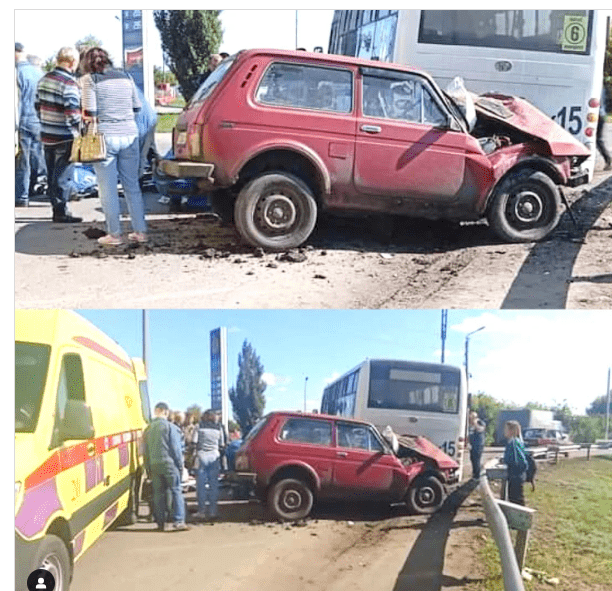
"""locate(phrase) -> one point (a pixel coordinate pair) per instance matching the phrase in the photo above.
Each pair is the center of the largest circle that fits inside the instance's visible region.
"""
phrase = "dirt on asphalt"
(193, 260)
(340, 549)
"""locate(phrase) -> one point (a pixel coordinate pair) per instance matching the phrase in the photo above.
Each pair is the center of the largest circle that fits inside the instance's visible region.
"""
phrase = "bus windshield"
(31, 365)
(395, 387)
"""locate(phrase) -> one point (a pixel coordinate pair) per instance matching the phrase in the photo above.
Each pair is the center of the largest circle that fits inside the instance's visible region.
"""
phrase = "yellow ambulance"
(81, 407)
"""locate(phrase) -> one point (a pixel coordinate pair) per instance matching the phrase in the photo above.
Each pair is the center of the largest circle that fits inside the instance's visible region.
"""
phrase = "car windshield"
(31, 364)
(215, 77)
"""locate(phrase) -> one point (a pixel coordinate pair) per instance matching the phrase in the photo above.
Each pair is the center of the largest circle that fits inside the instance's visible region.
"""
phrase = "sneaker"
(110, 240)
(139, 237)
(180, 527)
(66, 219)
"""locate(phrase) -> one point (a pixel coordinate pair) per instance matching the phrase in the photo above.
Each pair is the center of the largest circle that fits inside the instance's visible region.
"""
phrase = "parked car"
(293, 459)
(276, 136)
(536, 437)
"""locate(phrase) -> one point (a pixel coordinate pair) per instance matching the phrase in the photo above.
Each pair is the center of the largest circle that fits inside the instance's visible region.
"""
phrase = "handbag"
(90, 146)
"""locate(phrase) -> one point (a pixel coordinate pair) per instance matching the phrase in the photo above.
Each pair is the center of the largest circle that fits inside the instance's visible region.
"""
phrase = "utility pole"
(467, 344)
(443, 332)
(608, 406)
(145, 344)
(305, 383)
(296, 35)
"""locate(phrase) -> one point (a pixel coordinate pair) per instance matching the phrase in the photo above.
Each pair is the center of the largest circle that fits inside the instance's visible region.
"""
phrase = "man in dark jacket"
(477, 429)
(164, 465)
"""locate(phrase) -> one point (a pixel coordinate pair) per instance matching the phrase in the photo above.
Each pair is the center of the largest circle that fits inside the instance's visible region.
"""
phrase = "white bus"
(552, 58)
(414, 398)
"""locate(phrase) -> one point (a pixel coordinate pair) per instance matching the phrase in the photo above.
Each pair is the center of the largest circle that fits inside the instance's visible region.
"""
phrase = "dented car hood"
(423, 447)
(523, 116)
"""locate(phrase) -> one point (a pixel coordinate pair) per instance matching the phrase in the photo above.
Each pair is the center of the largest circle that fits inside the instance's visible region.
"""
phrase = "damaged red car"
(275, 137)
(293, 459)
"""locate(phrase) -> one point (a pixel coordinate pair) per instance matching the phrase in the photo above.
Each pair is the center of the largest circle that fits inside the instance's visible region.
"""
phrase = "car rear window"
(300, 430)
(215, 77)
(307, 87)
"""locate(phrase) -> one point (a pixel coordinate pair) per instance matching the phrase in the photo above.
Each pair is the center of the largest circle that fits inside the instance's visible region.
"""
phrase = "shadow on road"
(423, 569)
(544, 278)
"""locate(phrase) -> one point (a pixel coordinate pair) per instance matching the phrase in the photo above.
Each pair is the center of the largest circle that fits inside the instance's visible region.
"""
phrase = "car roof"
(315, 415)
(332, 58)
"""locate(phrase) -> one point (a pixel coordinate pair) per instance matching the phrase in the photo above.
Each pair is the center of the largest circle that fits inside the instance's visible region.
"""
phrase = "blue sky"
(43, 32)
(519, 356)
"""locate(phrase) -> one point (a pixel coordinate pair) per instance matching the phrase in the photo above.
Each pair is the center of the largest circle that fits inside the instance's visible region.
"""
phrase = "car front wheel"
(52, 555)
(526, 207)
(290, 499)
(426, 495)
(275, 211)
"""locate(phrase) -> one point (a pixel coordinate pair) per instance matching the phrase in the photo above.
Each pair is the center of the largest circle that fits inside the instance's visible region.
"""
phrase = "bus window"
(529, 30)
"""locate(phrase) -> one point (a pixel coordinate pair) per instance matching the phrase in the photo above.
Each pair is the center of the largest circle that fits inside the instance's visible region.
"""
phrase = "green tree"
(195, 410)
(87, 43)
(598, 406)
(188, 38)
(160, 76)
(247, 397)
(587, 429)
(488, 408)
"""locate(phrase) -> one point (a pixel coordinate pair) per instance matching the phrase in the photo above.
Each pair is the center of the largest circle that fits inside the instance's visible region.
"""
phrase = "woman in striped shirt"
(109, 95)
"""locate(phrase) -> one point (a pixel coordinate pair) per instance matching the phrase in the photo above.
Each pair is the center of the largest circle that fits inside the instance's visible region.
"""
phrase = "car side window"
(404, 98)
(309, 87)
(358, 437)
(314, 431)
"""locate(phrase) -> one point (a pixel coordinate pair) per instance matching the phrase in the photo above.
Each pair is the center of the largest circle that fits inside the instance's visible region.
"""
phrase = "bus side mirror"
(77, 422)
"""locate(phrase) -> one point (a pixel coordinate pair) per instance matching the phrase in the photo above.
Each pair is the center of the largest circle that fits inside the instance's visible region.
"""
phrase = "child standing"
(514, 458)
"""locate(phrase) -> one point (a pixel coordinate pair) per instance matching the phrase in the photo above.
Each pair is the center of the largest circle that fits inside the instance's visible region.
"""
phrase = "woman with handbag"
(109, 101)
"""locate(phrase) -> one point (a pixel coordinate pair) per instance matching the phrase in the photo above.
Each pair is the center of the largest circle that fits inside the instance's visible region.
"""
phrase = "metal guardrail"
(499, 525)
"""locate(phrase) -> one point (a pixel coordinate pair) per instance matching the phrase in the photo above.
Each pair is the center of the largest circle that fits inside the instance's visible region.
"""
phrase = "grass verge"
(572, 537)
(166, 122)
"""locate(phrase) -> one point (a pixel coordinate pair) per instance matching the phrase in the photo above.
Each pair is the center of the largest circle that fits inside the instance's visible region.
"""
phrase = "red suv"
(293, 458)
(275, 136)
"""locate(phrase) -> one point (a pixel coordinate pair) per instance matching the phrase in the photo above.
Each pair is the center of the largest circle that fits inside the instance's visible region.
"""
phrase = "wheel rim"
(426, 496)
(291, 499)
(52, 564)
(528, 207)
(276, 214)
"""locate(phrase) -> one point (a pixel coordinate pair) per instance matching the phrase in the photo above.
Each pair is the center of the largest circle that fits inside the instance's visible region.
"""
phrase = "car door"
(404, 147)
(362, 466)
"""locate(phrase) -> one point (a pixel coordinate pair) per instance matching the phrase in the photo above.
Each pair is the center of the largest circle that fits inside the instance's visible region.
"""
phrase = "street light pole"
(466, 362)
(608, 406)
(305, 384)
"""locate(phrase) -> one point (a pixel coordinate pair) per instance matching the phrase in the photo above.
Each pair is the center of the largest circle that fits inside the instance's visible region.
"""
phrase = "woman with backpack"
(515, 458)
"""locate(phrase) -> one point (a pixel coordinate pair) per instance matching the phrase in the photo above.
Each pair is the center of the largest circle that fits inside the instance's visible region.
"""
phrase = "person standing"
(110, 97)
(516, 461)
(601, 146)
(208, 464)
(146, 121)
(28, 127)
(477, 429)
(164, 463)
(58, 104)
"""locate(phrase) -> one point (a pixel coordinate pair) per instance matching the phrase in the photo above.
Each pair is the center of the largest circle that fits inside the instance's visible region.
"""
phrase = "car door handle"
(371, 128)
(342, 454)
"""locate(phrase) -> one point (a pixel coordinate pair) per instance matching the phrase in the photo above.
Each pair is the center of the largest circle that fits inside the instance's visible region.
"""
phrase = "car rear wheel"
(275, 211)
(290, 499)
(526, 207)
(52, 555)
(426, 495)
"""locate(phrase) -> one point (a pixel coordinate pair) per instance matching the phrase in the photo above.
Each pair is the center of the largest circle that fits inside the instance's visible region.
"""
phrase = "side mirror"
(77, 423)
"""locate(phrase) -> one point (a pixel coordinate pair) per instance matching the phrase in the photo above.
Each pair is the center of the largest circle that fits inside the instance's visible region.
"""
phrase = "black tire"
(525, 207)
(275, 211)
(425, 495)
(130, 514)
(53, 556)
(222, 203)
(290, 499)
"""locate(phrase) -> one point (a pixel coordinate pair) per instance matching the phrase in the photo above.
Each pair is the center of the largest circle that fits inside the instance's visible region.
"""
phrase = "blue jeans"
(475, 457)
(57, 158)
(123, 160)
(166, 477)
(208, 474)
(30, 160)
